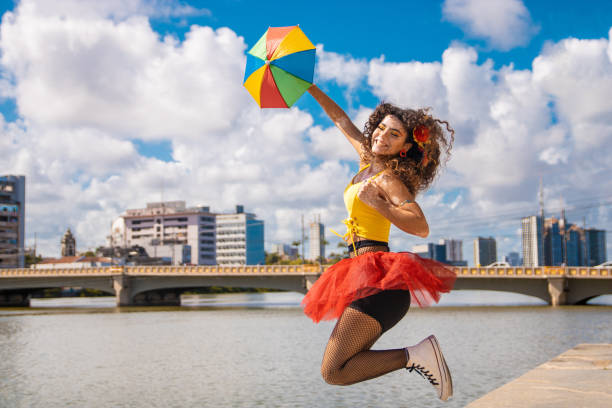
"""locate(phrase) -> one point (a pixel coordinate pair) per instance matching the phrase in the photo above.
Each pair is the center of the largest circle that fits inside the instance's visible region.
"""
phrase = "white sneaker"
(427, 360)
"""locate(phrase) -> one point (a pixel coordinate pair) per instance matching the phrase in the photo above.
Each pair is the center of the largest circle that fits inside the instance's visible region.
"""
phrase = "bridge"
(163, 285)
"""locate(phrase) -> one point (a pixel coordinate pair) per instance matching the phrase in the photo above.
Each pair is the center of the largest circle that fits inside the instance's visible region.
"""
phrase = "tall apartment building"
(533, 240)
(485, 251)
(240, 238)
(169, 230)
(316, 241)
(12, 221)
(554, 251)
(454, 249)
(513, 259)
(595, 246)
(575, 246)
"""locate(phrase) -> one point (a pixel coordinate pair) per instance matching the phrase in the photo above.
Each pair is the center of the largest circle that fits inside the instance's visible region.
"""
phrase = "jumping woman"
(371, 291)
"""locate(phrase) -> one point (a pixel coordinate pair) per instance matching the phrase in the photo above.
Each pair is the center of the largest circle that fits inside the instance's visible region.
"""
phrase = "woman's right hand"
(372, 195)
(338, 116)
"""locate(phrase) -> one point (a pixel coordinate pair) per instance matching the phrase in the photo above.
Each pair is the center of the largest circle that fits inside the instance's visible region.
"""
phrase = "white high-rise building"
(533, 242)
(169, 230)
(316, 241)
(240, 239)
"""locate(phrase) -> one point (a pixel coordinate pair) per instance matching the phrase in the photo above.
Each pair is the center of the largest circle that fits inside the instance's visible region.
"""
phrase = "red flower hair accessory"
(420, 134)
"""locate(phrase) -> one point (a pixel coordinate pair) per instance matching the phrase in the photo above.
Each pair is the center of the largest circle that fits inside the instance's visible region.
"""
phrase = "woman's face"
(390, 137)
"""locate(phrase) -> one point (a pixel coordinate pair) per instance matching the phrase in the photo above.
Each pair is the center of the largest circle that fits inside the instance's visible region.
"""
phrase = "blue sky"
(103, 103)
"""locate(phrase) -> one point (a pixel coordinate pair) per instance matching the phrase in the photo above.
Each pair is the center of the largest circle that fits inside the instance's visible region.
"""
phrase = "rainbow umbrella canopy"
(280, 67)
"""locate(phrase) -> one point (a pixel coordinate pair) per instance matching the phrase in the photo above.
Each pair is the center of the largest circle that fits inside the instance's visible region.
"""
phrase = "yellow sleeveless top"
(363, 220)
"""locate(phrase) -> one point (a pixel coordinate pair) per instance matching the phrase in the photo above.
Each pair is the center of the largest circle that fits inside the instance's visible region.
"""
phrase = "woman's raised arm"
(338, 116)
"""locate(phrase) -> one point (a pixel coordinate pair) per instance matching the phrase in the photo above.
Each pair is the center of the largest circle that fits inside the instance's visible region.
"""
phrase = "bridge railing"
(536, 272)
(462, 272)
(166, 270)
(224, 270)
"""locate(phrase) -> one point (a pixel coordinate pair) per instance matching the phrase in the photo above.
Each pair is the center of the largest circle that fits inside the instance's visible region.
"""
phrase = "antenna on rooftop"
(541, 199)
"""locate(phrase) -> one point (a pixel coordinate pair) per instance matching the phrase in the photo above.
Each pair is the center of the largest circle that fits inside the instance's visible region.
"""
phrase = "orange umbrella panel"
(280, 67)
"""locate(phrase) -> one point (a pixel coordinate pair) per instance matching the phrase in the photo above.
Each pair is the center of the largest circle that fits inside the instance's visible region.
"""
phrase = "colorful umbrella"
(280, 67)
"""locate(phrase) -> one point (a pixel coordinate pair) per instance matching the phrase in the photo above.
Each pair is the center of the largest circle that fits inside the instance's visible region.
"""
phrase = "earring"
(402, 153)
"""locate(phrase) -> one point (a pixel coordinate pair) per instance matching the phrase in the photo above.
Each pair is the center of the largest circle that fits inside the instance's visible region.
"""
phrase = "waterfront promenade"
(580, 377)
(163, 285)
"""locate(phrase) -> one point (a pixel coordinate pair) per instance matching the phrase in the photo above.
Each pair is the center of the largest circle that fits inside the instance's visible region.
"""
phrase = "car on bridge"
(605, 265)
(498, 264)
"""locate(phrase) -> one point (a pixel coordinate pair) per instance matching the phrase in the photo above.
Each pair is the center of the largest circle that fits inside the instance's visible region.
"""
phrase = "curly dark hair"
(416, 173)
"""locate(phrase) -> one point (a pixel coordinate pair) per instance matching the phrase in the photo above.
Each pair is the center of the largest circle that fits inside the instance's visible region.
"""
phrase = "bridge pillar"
(557, 291)
(121, 284)
(309, 280)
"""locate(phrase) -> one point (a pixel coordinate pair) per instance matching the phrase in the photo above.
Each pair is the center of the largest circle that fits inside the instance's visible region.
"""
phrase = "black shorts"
(387, 307)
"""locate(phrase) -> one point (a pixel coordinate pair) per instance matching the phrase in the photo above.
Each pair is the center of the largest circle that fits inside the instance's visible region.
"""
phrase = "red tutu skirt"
(372, 272)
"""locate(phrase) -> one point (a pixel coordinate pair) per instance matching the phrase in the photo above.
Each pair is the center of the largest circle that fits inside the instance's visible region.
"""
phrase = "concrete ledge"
(580, 377)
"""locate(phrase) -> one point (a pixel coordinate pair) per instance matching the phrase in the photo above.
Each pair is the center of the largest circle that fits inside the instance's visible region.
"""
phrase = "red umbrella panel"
(280, 67)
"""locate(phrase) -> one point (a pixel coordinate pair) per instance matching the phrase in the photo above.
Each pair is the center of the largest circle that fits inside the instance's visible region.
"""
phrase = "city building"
(574, 246)
(485, 251)
(454, 251)
(556, 242)
(532, 229)
(430, 250)
(240, 239)
(68, 244)
(169, 230)
(285, 251)
(554, 231)
(12, 221)
(316, 241)
(595, 245)
(440, 252)
(513, 259)
(423, 250)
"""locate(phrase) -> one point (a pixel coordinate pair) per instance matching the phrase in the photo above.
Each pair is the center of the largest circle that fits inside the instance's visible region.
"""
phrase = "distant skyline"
(107, 104)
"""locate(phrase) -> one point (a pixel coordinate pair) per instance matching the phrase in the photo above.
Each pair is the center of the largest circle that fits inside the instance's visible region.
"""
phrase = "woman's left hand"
(371, 194)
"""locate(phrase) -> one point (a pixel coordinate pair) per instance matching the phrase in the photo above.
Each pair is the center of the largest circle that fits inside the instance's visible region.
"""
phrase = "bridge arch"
(581, 291)
(537, 288)
(146, 284)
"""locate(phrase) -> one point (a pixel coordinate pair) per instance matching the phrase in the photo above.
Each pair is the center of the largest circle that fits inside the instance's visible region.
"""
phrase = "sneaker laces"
(420, 370)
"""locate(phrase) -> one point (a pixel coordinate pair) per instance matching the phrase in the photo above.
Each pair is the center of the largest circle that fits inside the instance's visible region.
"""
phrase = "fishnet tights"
(363, 250)
(348, 358)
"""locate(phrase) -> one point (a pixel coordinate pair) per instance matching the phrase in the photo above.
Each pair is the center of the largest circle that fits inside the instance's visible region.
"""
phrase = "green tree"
(272, 259)
(30, 259)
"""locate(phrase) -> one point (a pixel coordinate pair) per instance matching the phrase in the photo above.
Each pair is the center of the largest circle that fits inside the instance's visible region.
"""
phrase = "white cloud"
(505, 24)
(343, 69)
(121, 76)
(414, 84)
(578, 76)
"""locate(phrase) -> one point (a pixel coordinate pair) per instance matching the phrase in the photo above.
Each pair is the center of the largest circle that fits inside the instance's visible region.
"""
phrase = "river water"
(259, 350)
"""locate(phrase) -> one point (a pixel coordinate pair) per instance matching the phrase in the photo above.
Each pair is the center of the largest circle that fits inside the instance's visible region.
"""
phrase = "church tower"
(68, 244)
